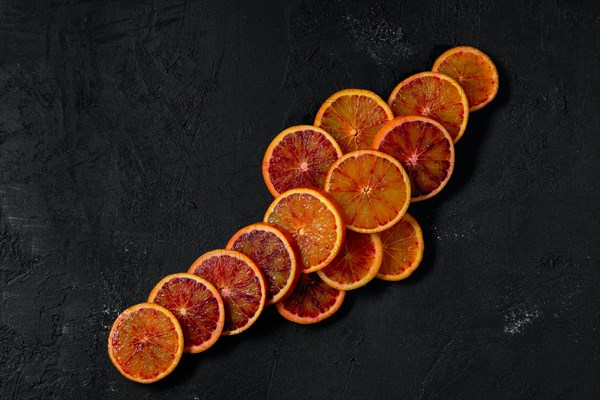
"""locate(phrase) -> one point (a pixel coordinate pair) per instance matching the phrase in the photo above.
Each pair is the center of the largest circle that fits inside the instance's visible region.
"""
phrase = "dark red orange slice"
(403, 248)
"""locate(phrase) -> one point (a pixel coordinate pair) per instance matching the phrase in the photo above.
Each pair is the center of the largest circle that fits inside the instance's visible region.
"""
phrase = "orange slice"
(145, 343)
(371, 188)
(402, 250)
(432, 95)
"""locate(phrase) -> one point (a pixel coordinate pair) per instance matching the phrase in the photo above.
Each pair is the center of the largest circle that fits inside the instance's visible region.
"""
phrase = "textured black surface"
(131, 138)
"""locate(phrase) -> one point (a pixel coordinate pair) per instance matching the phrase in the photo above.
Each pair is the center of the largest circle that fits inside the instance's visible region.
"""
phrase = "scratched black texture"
(131, 139)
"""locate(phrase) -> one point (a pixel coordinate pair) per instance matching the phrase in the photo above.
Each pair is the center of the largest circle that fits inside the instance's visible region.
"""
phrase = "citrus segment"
(402, 250)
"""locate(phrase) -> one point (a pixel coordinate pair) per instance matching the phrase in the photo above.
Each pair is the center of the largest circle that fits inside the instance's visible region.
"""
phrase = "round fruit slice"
(371, 188)
(197, 306)
(299, 156)
(402, 250)
(311, 301)
(240, 284)
(473, 70)
(432, 95)
(357, 263)
(145, 343)
(425, 150)
(314, 222)
(353, 117)
(273, 251)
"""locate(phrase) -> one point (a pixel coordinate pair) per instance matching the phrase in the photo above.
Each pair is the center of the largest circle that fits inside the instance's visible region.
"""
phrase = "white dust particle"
(518, 318)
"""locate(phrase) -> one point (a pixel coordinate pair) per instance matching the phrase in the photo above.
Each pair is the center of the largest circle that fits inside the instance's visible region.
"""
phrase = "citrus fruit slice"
(425, 150)
(357, 263)
(145, 343)
(240, 284)
(402, 250)
(311, 301)
(273, 251)
(353, 117)
(432, 95)
(371, 188)
(197, 306)
(314, 222)
(473, 70)
(299, 156)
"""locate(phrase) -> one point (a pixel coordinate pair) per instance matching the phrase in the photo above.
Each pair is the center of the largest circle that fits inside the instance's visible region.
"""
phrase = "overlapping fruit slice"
(425, 150)
(145, 343)
(274, 252)
(353, 117)
(402, 250)
(432, 95)
(371, 188)
(197, 306)
(314, 222)
(299, 156)
(240, 284)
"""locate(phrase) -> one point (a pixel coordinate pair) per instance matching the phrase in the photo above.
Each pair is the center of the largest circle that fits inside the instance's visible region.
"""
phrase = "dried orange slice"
(371, 188)
(273, 251)
(299, 156)
(473, 70)
(197, 306)
(311, 301)
(357, 264)
(314, 222)
(145, 343)
(432, 95)
(425, 150)
(353, 117)
(240, 284)
(402, 250)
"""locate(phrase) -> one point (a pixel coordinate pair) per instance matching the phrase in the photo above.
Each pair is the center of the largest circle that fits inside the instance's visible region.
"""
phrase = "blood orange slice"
(197, 306)
(273, 251)
(311, 301)
(473, 70)
(314, 222)
(145, 343)
(353, 117)
(432, 95)
(240, 284)
(425, 150)
(402, 250)
(371, 188)
(357, 263)
(299, 156)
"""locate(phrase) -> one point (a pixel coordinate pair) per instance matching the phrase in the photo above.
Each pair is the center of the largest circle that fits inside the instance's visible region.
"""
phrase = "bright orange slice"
(197, 306)
(145, 343)
(299, 156)
(240, 284)
(371, 188)
(314, 222)
(432, 95)
(274, 252)
(402, 250)
(357, 264)
(353, 117)
(473, 70)
(425, 150)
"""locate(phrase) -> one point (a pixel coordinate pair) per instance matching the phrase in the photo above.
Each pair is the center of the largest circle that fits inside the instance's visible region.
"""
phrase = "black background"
(131, 139)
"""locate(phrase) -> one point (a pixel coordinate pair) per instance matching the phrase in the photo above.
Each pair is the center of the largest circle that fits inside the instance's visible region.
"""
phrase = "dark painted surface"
(131, 137)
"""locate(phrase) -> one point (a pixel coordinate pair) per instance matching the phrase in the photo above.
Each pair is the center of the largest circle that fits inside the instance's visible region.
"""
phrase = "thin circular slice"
(402, 250)
(311, 301)
(299, 156)
(432, 95)
(274, 252)
(315, 223)
(371, 188)
(425, 150)
(240, 284)
(473, 70)
(196, 304)
(357, 264)
(353, 117)
(145, 343)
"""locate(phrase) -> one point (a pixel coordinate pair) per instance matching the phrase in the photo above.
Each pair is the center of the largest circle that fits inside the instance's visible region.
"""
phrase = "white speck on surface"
(519, 318)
